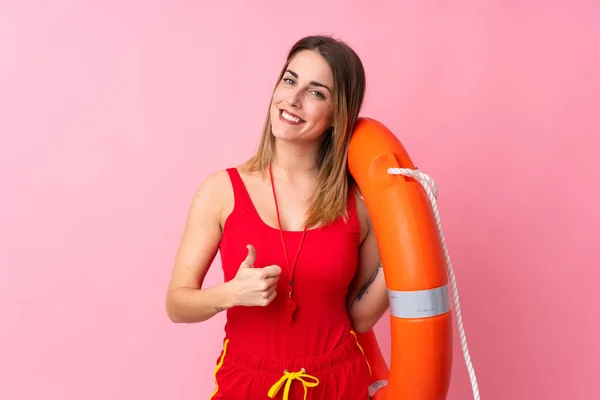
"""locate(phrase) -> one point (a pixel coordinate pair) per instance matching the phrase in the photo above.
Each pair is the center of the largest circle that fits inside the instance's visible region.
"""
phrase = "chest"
(291, 202)
(326, 259)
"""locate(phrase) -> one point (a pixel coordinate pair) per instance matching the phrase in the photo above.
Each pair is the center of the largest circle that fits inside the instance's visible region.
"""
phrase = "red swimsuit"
(262, 347)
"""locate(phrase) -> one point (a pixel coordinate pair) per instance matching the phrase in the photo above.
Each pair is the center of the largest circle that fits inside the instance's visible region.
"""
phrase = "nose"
(294, 97)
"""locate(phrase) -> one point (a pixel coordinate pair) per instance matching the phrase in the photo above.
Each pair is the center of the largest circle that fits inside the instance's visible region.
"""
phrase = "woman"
(299, 255)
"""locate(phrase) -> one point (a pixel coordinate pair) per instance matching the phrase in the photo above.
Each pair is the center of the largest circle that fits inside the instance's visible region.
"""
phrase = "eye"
(318, 94)
(289, 81)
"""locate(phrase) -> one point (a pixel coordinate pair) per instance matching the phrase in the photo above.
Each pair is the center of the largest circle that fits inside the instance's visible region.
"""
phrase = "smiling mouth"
(290, 118)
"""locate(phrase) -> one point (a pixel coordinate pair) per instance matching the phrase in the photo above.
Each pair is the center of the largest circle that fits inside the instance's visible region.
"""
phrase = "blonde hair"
(329, 200)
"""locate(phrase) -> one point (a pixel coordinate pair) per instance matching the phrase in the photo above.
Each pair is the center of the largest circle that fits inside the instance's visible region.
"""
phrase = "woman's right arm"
(186, 300)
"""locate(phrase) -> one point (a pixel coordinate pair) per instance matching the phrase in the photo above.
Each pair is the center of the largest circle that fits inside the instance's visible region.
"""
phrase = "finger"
(270, 298)
(273, 291)
(272, 270)
(267, 291)
(267, 285)
(272, 295)
(271, 281)
(250, 258)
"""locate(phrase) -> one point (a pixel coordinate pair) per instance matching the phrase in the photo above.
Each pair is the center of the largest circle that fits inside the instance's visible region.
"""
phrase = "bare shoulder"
(212, 186)
(214, 194)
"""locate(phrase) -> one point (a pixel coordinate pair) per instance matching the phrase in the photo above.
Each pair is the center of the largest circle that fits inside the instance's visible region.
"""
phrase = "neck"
(292, 160)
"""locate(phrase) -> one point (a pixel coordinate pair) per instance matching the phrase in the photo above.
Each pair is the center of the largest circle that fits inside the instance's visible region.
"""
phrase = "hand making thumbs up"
(255, 286)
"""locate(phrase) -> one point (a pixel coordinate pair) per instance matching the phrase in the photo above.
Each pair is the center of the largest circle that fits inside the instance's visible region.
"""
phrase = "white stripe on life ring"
(419, 303)
(375, 386)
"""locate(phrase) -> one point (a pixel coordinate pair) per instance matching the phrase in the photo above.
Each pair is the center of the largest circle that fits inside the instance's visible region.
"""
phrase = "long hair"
(329, 200)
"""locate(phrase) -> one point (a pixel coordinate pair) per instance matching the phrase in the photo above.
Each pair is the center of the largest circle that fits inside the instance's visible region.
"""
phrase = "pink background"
(111, 113)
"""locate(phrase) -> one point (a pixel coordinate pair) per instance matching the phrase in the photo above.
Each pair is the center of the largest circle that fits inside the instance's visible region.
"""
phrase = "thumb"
(250, 258)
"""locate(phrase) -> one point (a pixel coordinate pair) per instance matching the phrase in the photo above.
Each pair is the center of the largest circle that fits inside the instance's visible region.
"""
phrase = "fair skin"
(300, 113)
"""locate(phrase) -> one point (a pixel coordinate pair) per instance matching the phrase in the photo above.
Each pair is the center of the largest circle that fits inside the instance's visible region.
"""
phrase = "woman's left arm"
(368, 296)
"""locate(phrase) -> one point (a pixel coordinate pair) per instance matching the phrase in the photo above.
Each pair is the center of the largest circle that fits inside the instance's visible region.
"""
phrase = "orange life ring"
(415, 264)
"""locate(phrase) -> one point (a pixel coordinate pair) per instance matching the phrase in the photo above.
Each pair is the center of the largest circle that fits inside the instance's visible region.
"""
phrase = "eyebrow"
(313, 83)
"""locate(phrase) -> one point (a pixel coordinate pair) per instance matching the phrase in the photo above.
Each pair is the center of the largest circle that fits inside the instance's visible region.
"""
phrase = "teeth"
(289, 117)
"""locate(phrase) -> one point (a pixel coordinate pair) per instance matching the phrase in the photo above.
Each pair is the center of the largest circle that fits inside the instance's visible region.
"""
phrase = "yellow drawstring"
(288, 377)
(362, 351)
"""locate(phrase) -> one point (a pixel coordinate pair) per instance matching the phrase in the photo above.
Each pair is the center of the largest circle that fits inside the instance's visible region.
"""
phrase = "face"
(301, 109)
